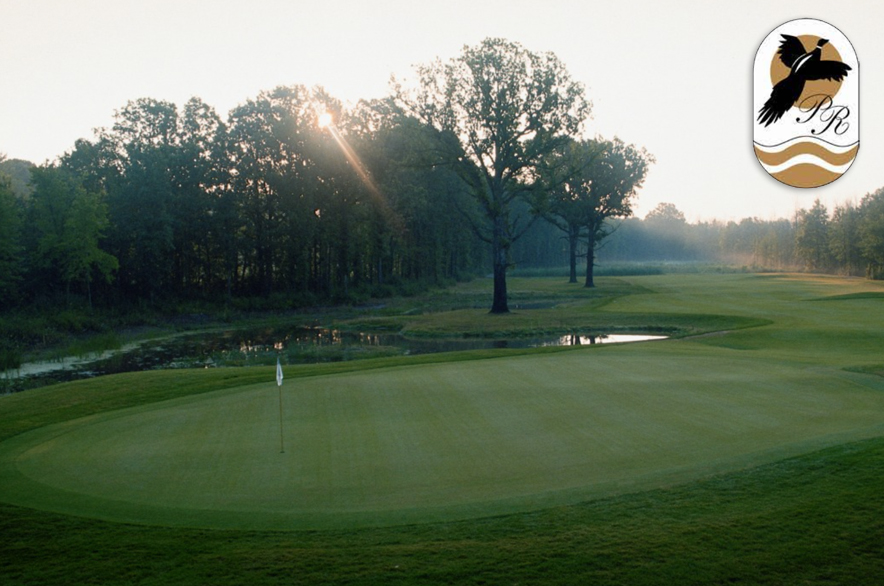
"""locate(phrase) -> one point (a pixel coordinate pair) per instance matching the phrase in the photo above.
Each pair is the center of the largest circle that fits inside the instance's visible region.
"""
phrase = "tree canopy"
(590, 182)
(263, 204)
(10, 238)
(68, 223)
(18, 173)
(497, 110)
(264, 207)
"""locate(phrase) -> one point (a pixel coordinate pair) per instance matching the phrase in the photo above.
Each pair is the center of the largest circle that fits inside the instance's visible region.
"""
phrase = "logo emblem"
(806, 103)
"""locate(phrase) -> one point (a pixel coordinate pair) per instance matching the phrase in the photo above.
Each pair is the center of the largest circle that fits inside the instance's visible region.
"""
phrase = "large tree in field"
(497, 110)
(590, 182)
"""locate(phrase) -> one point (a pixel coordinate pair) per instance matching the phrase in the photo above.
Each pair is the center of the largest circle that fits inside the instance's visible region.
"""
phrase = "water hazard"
(261, 347)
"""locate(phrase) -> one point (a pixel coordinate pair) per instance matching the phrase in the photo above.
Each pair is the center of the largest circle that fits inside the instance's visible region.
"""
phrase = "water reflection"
(579, 340)
(262, 346)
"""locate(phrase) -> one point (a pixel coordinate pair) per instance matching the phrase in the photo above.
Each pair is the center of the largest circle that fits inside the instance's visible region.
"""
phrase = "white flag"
(278, 373)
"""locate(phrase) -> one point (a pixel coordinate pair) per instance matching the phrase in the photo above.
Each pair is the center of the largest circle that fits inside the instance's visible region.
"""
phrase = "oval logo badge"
(806, 103)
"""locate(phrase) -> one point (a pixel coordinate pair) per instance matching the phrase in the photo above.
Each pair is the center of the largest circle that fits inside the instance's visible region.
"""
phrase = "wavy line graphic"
(806, 138)
(806, 161)
(809, 149)
(805, 175)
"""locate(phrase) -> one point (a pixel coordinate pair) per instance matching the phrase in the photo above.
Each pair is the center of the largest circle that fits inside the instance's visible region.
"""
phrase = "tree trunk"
(572, 253)
(590, 262)
(499, 249)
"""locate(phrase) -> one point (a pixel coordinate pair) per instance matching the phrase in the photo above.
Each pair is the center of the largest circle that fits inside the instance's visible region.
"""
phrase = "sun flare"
(325, 120)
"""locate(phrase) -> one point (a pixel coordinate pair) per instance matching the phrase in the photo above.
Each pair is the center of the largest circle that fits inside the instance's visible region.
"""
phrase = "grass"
(632, 269)
(10, 358)
(444, 441)
(814, 518)
(808, 520)
(541, 307)
(87, 346)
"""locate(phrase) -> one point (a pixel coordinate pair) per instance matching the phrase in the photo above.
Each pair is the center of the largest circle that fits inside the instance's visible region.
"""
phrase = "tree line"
(477, 167)
(846, 240)
(295, 196)
(178, 204)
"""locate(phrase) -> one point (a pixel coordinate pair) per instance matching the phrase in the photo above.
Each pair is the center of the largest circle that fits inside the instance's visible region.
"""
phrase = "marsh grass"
(94, 345)
(10, 357)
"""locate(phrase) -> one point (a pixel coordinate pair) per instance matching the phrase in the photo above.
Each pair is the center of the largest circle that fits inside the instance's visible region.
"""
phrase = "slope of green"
(441, 441)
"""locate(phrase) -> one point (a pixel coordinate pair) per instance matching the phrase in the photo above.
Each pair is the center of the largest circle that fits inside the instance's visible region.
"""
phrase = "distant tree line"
(849, 240)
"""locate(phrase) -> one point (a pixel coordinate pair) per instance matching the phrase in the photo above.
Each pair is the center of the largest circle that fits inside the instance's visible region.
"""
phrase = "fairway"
(441, 441)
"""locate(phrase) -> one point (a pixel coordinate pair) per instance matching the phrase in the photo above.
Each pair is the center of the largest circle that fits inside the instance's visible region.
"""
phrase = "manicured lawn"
(442, 441)
(732, 457)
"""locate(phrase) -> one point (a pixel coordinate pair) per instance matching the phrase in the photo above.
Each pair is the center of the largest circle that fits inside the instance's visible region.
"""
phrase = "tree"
(84, 228)
(775, 246)
(18, 173)
(593, 181)
(569, 202)
(844, 237)
(417, 232)
(69, 222)
(142, 193)
(871, 233)
(812, 237)
(667, 231)
(10, 247)
(497, 109)
(199, 179)
(268, 139)
(666, 213)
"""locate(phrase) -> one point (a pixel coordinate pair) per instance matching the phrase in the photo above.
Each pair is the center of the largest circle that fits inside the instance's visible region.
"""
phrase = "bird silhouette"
(803, 66)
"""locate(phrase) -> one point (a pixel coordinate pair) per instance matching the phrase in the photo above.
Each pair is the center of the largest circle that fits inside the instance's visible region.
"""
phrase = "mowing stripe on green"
(440, 441)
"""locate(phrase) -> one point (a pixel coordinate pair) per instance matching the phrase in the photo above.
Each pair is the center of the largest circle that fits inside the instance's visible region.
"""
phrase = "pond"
(261, 346)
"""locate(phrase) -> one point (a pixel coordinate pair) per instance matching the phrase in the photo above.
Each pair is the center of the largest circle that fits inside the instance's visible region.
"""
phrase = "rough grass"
(814, 519)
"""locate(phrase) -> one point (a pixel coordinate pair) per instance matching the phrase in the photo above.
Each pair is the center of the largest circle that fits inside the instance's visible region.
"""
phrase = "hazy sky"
(672, 76)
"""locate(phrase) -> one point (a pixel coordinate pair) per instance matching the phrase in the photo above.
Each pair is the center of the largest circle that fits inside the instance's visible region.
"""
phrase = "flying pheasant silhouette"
(803, 66)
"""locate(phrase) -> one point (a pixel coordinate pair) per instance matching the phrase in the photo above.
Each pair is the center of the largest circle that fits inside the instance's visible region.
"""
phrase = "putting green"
(440, 441)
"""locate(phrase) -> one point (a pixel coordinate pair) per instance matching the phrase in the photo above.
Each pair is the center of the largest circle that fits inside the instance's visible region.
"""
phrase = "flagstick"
(281, 444)
(279, 385)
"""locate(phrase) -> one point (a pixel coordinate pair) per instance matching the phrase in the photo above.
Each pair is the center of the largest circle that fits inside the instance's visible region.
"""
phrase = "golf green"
(441, 441)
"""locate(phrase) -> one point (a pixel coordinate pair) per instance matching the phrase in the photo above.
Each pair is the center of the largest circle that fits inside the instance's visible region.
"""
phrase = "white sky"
(674, 76)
